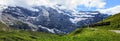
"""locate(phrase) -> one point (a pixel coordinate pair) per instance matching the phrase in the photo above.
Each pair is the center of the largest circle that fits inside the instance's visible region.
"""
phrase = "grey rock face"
(46, 19)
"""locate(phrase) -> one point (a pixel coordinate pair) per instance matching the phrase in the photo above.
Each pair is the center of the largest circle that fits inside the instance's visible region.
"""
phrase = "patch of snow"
(50, 30)
(75, 20)
(94, 13)
(87, 16)
(33, 17)
(45, 13)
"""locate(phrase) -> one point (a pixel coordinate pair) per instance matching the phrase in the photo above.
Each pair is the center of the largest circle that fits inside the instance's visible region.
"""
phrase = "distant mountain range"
(48, 19)
(95, 32)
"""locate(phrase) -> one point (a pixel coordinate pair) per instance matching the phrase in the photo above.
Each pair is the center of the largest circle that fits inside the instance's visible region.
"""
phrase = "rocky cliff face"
(47, 19)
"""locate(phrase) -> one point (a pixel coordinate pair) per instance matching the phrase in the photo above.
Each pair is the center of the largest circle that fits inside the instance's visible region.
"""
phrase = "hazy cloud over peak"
(112, 10)
(69, 4)
(66, 4)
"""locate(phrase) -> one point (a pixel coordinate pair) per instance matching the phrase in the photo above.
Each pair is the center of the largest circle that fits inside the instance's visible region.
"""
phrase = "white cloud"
(71, 4)
(68, 4)
(110, 11)
(91, 3)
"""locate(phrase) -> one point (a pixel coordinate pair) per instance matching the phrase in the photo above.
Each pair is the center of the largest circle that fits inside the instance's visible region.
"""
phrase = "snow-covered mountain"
(48, 19)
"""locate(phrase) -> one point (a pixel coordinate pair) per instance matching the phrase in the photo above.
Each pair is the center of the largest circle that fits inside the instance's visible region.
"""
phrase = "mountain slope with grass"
(93, 33)
(86, 34)
(112, 22)
(105, 30)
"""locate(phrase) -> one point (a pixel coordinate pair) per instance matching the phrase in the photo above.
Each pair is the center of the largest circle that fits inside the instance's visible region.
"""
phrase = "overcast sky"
(104, 6)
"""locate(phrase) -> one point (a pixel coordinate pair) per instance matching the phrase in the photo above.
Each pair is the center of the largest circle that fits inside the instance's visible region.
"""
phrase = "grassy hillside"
(100, 31)
(81, 34)
(86, 34)
(113, 22)
(93, 34)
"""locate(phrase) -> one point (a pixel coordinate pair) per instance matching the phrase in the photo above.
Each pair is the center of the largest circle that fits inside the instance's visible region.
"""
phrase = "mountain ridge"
(47, 19)
(80, 34)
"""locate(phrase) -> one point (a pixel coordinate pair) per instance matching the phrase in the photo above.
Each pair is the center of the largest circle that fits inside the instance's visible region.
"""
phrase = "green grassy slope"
(93, 34)
(86, 34)
(113, 22)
